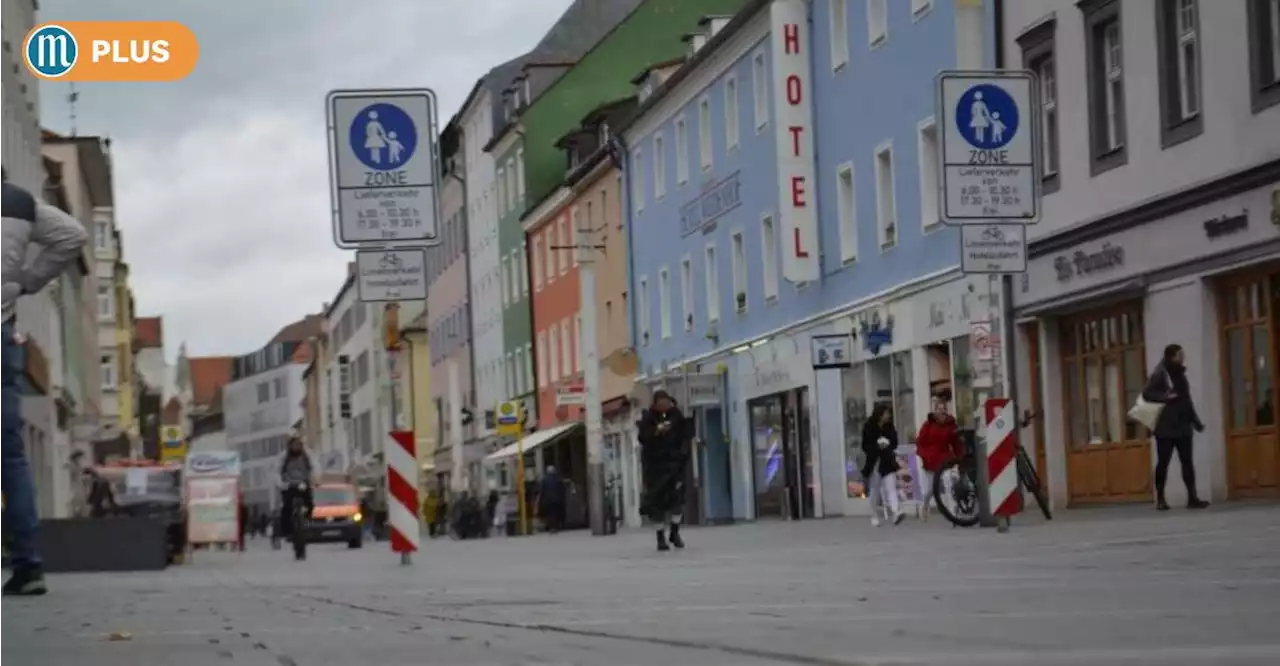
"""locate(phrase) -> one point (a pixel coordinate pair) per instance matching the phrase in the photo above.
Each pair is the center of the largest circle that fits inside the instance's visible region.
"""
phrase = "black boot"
(675, 537)
(1161, 504)
(1197, 503)
(662, 541)
(25, 582)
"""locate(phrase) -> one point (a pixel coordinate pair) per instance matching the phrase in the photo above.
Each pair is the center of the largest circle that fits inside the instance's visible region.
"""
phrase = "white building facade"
(260, 405)
(1161, 225)
(477, 121)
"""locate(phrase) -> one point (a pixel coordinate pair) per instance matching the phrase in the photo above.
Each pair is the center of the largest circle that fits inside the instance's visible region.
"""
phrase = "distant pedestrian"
(551, 499)
(880, 444)
(937, 442)
(665, 437)
(1175, 425)
(39, 243)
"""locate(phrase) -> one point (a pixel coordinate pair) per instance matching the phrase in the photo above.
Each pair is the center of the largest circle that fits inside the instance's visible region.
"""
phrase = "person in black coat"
(665, 435)
(880, 444)
(551, 499)
(1178, 420)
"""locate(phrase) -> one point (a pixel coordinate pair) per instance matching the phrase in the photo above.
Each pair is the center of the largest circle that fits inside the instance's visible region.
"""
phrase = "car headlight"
(357, 517)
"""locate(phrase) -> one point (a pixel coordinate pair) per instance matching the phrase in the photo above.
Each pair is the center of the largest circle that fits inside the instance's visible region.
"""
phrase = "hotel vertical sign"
(793, 131)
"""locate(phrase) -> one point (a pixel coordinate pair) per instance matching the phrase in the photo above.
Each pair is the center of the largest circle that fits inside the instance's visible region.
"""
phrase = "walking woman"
(880, 444)
(937, 443)
(664, 440)
(1168, 386)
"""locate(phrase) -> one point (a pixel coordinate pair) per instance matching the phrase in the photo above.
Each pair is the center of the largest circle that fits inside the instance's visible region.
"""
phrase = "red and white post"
(402, 494)
(1002, 467)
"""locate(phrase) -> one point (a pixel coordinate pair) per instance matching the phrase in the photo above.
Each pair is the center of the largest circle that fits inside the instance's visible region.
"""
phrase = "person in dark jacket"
(880, 444)
(664, 451)
(551, 499)
(1174, 427)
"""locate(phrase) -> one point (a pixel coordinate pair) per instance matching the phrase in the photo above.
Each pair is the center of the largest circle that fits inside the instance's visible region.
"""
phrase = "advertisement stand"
(213, 498)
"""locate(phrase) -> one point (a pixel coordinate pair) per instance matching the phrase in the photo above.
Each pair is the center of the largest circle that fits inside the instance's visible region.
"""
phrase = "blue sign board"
(987, 117)
(383, 137)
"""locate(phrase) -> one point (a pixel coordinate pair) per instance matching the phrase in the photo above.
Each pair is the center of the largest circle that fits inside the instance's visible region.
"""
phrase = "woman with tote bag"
(1166, 408)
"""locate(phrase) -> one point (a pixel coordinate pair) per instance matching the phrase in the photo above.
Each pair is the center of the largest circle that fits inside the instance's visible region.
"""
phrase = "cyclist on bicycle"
(294, 469)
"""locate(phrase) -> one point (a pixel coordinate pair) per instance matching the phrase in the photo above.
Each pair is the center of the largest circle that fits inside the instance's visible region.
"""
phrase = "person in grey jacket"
(1178, 419)
(37, 243)
(294, 469)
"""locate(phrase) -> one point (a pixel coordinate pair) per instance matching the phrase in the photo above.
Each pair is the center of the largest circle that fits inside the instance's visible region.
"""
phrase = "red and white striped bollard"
(402, 492)
(1002, 467)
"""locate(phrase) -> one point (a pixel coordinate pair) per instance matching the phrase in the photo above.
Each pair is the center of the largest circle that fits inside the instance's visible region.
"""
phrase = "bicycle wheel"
(955, 492)
(299, 534)
(1031, 481)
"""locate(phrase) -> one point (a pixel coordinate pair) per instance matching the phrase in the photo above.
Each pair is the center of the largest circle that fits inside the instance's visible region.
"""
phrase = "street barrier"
(1002, 468)
(402, 491)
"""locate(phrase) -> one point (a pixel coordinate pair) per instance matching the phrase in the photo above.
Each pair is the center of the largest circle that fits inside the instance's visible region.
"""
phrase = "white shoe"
(875, 521)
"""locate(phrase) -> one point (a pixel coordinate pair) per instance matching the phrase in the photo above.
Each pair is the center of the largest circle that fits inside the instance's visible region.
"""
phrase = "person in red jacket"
(937, 442)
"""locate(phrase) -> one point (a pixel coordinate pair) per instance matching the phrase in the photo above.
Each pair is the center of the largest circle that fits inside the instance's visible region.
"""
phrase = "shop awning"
(532, 442)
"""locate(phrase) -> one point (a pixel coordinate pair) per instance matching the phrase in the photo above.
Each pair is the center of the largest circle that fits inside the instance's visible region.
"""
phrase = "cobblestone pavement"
(1112, 586)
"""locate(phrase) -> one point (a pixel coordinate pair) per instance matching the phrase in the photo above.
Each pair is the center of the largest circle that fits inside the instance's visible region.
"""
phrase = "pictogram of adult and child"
(383, 137)
(987, 117)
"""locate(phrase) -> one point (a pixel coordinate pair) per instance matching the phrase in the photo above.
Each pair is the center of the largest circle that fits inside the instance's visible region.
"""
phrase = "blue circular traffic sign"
(383, 137)
(987, 117)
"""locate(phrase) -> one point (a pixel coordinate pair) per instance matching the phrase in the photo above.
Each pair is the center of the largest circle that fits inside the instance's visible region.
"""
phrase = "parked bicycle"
(955, 486)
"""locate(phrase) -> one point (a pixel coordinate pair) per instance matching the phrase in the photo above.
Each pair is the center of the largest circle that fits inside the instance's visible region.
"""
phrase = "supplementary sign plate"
(993, 248)
(383, 166)
(989, 166)
(831, 351)
(571, 395)
(392, 275)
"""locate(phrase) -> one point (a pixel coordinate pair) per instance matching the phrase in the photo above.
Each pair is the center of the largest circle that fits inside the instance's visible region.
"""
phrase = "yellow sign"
(509, 417)
(173, 451)
(170, 433)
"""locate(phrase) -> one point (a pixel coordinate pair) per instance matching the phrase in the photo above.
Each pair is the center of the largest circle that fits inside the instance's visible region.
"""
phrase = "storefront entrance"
(782, 456)
(1103, 371)
(1250, 344)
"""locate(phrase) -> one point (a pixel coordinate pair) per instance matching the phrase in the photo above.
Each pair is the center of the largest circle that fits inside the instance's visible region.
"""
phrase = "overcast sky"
(221, 179)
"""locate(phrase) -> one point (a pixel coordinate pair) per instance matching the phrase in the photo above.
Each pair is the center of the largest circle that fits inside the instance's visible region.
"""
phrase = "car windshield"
(334, 496)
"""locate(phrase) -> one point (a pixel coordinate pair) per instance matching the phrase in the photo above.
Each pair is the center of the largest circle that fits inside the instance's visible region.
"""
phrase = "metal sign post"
(989, 167)
(509, 420)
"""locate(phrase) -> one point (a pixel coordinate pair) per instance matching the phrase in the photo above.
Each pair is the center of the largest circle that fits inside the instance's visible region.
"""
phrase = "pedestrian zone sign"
(989, 167)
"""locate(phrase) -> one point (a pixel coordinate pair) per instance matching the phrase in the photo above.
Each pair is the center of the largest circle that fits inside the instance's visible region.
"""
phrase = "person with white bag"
(880, 444)
(1167, 409)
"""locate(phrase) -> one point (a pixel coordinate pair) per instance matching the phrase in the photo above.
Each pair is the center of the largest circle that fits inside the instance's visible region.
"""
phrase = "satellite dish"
(623, 361)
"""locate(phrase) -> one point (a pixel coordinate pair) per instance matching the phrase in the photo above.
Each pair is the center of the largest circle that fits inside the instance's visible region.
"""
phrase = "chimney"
(714, 24)
(695, 42)
(351, 269)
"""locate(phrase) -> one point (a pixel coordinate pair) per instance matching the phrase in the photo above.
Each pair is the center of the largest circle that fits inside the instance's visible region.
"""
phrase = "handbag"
(1148, 413)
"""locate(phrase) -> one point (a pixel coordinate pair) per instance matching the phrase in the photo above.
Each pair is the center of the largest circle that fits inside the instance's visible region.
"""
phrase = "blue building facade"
(823, 219)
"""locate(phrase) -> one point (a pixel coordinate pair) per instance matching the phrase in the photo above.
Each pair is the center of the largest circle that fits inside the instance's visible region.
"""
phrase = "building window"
(501, 185)
(518, 369)
(1264, 53)
(682, 151)
(550, 235)
(506, 275)
(577, 342)
(704, 133)
(102, 235)
(510, 367)
(927, 149)
(264, 392)
(553, 352)
(108, 372)
(712, 276)
(637, 180)
(566, 238)
(839, 34)
(886, 199)
(575, 229)
(731, 113)
(537, 263)
(106, 302)
(847, 209)
(1107, 127)
(1178, 39)
(642, 311)
(660, 166)
(522, 261)
(519, 171)
(877, 22)
(1038, 56)
(769, 248)
(528, 365)
(511, 183)
(739, 273)
(760, 90)
(686, 291)
(543, 377)
(664, 303)
(566, 347)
